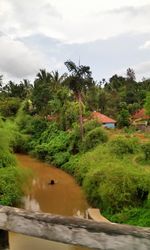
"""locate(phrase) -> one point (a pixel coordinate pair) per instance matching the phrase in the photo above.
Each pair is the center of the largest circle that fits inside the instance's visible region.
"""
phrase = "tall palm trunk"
(80, 115)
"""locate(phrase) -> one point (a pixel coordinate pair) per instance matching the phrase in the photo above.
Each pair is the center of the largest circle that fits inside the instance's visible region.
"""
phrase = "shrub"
(19, 144)
(40, 151)
(123, 119)
(60, 158)
(146, 151)
(121, 146)
(75, 138)
(10, 176)
(38, 126)
(71, 165)
(51, 149)
(9, 106)
(134, 216)
(93, 138)
(6, 159)
(115, 187)
(90, 125)
(10, 186)
(49, 133)
(58, 143)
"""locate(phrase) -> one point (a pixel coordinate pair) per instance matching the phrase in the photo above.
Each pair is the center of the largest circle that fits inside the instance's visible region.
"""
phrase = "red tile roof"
(140, 114)
(102, 118)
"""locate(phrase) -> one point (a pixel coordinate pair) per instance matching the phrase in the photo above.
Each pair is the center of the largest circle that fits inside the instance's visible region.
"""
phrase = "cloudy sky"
(109, 36)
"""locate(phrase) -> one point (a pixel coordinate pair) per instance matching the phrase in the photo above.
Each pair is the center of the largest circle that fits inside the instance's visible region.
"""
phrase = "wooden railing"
(76, 231)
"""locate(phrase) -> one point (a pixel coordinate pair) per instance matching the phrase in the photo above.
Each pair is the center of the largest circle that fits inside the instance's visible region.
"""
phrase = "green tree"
(42, 93)
(123, 119)
(147, 104)
(131, 74)
(1, 81)
(79, 80)
(57, 79)
(21, 90)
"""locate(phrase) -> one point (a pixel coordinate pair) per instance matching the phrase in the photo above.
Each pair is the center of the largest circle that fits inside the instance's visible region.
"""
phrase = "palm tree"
(42, 90)
(43, 76)
(79, 80)
(57, 79)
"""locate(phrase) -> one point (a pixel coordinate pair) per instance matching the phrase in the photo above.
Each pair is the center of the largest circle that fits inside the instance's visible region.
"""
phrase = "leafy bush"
(75, 138)
(10, 186)
(90, 125)
(121, 146)
(49, 133)
(139, 216)
(9, 106)
(38, 126)
(71, 165)
(6, 159)
(60, 158)
(116, 187)
(40, 151)
(146, 151)
(19, 144)
(11, 177)
(123, 119)
(93, 138)
(59, 143)
(56, 147)
(111, 183)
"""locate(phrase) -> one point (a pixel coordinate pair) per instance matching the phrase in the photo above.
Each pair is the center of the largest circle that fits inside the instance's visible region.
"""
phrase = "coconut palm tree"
(43, 76)
(57, 79)
(79, 80)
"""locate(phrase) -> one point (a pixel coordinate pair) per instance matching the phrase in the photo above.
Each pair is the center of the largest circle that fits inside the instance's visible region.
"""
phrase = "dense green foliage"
(51, 120)
(121, 146)
(134, 216)
(146, 150)
(117, 185)
(11, 177)
(147, 104)
(93, 138)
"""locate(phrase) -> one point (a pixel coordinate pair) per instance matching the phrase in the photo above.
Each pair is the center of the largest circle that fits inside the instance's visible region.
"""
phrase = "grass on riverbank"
(115, 182)
(107, 165)
(11, 176)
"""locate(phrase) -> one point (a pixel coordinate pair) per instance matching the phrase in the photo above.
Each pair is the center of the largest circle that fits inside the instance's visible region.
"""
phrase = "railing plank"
(74, 231)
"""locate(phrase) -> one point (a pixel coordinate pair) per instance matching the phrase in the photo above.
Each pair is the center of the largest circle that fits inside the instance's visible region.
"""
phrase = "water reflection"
(64, 198)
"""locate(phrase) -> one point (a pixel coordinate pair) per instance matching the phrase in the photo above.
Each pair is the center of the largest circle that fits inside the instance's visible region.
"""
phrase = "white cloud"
(16, 59)
(74, 21)
(70, 22)
(146, 45)
(143, 69)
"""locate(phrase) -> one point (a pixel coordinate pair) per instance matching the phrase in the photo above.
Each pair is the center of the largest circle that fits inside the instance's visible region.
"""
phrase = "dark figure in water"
(51, 182)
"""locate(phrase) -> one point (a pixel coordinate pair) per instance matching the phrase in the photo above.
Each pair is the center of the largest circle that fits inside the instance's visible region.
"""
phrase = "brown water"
(64, 198)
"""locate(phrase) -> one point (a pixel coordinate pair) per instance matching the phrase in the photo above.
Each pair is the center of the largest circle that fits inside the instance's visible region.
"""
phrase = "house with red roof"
(140, 117)
(106, 121)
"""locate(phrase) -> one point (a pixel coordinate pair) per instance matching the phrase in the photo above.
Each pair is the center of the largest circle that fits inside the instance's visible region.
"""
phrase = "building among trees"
(141, 119)
(106, 121)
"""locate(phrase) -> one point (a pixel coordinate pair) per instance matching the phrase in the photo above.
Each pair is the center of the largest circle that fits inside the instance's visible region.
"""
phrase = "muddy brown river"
(64, 198)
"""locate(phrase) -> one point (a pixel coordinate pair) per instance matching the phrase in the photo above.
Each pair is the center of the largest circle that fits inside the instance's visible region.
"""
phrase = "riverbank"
(11, 176)
(112, 170)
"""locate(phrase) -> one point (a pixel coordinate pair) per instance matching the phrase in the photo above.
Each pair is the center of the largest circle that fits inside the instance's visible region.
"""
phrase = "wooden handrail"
(76, 231)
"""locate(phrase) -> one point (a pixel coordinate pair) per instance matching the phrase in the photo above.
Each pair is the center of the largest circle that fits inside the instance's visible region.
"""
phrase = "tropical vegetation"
(51, 120)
